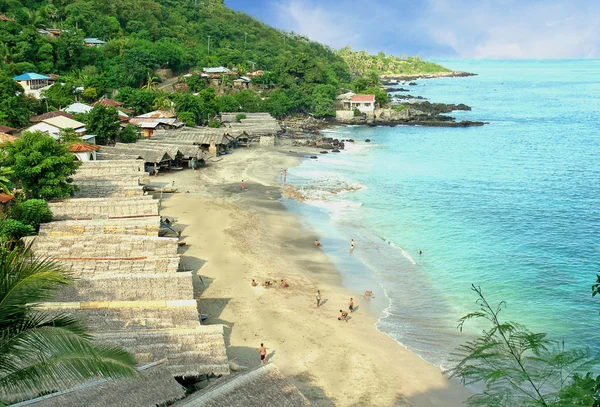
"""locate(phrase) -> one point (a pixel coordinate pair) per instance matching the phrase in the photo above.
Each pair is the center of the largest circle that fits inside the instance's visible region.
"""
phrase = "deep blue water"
(513, 206)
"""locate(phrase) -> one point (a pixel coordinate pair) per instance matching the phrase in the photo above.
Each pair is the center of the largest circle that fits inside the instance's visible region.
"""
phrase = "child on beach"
(318, 298)
(263, 354)
(284, 284)
(351, 307)
(343, 316)
(317, 243)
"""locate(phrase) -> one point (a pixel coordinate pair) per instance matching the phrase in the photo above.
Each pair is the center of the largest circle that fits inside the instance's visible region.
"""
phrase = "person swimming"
(317, 243)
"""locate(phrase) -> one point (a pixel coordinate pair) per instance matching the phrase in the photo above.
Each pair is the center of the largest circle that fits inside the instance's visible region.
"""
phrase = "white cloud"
(469, 28)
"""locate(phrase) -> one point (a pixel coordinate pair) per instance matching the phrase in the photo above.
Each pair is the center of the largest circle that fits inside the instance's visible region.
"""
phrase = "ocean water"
(513, 207)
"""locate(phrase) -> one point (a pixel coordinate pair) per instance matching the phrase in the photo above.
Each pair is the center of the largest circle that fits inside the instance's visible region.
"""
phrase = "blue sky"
(442, 28)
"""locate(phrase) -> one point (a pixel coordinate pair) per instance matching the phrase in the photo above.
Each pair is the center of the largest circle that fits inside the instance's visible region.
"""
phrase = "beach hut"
(153, 386)
(263, 386)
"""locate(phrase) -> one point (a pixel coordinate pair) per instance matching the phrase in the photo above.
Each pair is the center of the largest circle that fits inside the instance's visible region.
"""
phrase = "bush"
(215, 124)
(357, 112)
(11, 231)
(130, 134)
(32, 212)
(240, 117)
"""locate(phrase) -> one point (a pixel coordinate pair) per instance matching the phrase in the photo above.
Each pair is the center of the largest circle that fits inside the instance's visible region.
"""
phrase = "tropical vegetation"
(42, 351)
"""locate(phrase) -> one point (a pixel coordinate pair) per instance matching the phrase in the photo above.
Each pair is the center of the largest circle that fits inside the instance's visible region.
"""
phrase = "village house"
(32, 83)
(53, 126)
(242, 82)
(45, 116)
(364, 103)
(158, 119)
(51, 32)
(84, 151)
(94, 42)
(219, 70)
(6, 129)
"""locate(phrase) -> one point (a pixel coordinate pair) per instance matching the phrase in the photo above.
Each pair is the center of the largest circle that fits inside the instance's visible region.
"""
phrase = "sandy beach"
(234, 236)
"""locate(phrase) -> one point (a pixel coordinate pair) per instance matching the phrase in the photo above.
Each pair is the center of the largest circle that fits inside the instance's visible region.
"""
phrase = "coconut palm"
(4, 180)
(39, 351)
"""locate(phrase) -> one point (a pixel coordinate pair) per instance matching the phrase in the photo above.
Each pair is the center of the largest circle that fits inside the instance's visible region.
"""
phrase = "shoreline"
(410, 77)
(250, 234)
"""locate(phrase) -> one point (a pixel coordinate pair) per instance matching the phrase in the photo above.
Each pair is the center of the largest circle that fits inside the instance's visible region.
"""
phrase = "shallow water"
(513, 206)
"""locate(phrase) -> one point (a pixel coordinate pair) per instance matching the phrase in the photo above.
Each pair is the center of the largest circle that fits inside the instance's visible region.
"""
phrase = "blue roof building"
(30, 76)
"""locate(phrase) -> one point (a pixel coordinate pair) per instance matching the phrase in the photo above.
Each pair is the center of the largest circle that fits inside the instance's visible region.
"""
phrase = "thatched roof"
(128, 287)
(154, 386)
(103, 246)
(181, 149)
(189, 351)
(107, 316)
(93, 190)
(261, 387)
(81, 268)
(93, 208)
(109, 168)
(148, 154)
(197, 135)
(144, 226)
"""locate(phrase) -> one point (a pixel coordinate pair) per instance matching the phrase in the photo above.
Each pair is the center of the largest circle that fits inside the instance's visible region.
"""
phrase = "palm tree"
(150, 82)
(39, 351)
(4, 180)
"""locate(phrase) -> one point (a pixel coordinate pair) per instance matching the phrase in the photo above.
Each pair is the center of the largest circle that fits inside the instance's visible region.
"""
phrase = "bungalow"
(242, 82)
(55, 125)
(94, 42)
(84, 151)
(158, 119)
(31, 82)
(364, 103)
(55, 113)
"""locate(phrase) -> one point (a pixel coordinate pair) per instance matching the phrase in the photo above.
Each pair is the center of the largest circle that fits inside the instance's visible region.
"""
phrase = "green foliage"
(5, 181)
(215, 124)
(31, 212)
(130, 134)
(196, 82)
(357, 112)
(240, 117)
(583, 391)
(360, 62)
(104, 123)
(517, 367)
(11, 231)
(41, 165)
(381, 95)
(139, 100)
(15, 108)
(68, 136)
(596, 286)
(43, 352)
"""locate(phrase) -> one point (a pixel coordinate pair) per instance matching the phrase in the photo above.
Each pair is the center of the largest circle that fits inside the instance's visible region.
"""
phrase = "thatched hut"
(263, 386)
(128, 287)
(83, 267)
(190, 352)
(143, 226)
(112, 208)
(154, 386)
(103, 246)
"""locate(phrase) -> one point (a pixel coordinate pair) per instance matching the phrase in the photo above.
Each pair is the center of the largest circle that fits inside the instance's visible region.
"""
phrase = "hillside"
(360, 62)
(139, 37)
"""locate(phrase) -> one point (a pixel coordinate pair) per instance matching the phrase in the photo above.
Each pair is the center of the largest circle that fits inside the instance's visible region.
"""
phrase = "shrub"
(357, 112)
(240, 117)
(31, 212)
(12, 230)
(215, 124)
(130, 134)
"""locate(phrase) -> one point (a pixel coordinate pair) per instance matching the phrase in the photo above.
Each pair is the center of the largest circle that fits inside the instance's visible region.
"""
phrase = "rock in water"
(324, 152)
(367, 141)
(314, 157)
(335, 151)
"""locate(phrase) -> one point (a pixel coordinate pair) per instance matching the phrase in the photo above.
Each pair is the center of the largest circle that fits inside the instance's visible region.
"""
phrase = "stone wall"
(344, 115)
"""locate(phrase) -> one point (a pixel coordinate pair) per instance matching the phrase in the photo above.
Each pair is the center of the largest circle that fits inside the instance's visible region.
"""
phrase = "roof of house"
(82, 148)
(243, 79)
(94, 41)
(6, 129)
(63, 122)
(78, 108)
(108, 102)
(154, 386)
(4, 198)
(4, 18)
(44, 128)
(49, 115)
(7, 137)
(363, 98)
(158, 114)
(30, 76)
(217, 69)
(263, 386)
(345, 96)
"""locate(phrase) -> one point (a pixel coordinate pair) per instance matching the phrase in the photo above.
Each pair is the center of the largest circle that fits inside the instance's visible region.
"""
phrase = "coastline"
(235, 236)
(451, 74)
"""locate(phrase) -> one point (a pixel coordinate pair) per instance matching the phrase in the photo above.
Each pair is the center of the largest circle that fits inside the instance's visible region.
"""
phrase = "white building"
(364, 103)
(33, 83)
(83, 151)
(55, 125)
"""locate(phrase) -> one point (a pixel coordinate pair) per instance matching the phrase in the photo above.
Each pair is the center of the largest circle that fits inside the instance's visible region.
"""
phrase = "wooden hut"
(263, 386)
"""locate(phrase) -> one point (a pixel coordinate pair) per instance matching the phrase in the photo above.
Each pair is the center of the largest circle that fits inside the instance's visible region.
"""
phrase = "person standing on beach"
(351, 307)
(285, 175)
(351, 244)
(243, 185)
(317, 243)
(263, 354)
(318, 298)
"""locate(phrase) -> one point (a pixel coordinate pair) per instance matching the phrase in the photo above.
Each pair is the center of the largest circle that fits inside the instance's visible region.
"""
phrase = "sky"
(441, 28)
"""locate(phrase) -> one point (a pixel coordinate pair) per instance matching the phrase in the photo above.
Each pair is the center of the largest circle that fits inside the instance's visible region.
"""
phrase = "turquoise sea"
(513, 206)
